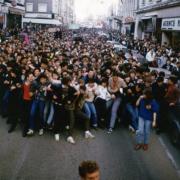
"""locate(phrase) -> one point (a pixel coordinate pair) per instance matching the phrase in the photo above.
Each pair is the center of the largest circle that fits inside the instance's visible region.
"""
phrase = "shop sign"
(171, 24)
(38, 15)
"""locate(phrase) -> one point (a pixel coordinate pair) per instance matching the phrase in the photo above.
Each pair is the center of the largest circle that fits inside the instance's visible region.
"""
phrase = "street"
(39, 158)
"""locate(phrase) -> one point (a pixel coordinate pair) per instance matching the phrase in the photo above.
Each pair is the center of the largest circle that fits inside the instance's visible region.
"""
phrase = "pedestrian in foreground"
(148, 109)
(89, 170)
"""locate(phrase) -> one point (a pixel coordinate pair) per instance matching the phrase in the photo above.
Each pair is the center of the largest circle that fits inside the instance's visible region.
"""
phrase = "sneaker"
(70, 140)
(132, 129)
(56, 136)
(67, 127)
(110, 130)
(30, 132)
(88, 135)
(41, 132)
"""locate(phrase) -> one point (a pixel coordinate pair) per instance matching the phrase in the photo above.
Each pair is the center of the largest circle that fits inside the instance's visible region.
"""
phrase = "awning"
(16, 11)
(146, 17)
(41, 21)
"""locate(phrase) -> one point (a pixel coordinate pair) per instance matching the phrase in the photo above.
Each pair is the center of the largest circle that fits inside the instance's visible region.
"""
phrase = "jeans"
(143, 132)
(114, 110)
(48, 112)
(133, 112)
(90, 111)
(37, 106)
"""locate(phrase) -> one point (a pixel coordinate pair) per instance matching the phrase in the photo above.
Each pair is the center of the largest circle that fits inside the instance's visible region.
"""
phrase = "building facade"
(127, 13)
(114, 20)
(42, 12)
(1, 14)
(67, 11)
(54, 12)
(159, 20)
(11, 13)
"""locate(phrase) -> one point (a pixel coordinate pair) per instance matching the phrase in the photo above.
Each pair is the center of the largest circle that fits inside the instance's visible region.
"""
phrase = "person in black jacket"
(132, 93)
(69, 99)
(2, 86)
(14, 99)
(159, 90)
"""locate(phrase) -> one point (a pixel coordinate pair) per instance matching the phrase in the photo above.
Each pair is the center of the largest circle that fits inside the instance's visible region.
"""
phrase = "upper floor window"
(42, 7)
(29, 7)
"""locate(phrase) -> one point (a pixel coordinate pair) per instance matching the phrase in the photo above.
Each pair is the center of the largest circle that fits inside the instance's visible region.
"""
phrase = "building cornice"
(158, 6)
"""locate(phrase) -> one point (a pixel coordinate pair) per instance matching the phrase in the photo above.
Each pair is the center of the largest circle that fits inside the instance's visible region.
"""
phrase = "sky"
(93, 8)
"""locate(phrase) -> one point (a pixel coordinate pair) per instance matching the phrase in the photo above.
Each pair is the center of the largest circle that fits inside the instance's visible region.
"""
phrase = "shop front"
(16, 10)
(171, 32)
(128, 26)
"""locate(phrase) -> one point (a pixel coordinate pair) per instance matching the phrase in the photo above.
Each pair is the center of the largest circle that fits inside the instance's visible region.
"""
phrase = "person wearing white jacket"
(102, 97)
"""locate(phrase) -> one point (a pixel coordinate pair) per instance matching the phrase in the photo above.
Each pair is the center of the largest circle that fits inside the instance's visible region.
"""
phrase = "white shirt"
(102, 92)
(91, 92)
(150, 56)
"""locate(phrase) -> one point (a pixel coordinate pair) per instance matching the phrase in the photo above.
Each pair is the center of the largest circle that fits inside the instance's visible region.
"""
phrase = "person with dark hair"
(101, 101)
(89, 170)
(26, 102)
(91, 75)
(159, 90)
(172, 95)
(38, 90)
(14, 99)
(148, 109)
(3, 74)
(69, 96)
(172, 99)
(132, 93)
(115, 88)
(89, 106)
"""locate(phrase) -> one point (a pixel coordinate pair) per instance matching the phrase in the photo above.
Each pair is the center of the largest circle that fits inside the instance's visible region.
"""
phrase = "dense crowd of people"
(52, 82)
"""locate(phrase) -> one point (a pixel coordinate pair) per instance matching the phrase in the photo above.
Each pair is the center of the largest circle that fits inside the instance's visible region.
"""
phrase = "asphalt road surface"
(41, 158)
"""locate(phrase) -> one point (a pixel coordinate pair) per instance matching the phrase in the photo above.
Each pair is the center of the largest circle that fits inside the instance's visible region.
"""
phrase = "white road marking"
(171, 158)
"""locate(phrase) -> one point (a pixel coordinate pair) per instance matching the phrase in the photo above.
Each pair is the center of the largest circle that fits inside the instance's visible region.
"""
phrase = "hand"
(77, 93)
(49, 88)
(6, 82)
(142, 97)
(129, 91)
(30, 94)
(154, 124)
(148, 107)
(113, 96)
(13, 87)
(172, 104)
(54, 97)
